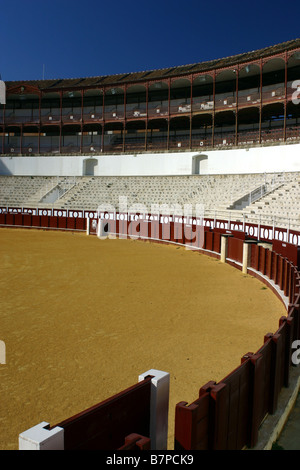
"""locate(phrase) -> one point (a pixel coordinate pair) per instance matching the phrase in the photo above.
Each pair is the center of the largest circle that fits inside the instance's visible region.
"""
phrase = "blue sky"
(72, 38)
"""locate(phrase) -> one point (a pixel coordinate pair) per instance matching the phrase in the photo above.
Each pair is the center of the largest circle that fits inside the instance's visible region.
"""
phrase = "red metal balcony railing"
(115, 115)
(249, 99)
(273, 95)
(225, 102)
(136, 113)
(202, 104)
(22, 119)
(71, 118)
(182, 108)
(50, 118)
(158, 111)
(92, 117)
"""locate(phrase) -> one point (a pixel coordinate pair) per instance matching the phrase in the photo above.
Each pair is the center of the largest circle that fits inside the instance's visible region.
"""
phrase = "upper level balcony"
(119, 111)
(252, 85)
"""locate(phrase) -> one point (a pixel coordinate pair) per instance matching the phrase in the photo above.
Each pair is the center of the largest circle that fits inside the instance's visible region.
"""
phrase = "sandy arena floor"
(82, 318)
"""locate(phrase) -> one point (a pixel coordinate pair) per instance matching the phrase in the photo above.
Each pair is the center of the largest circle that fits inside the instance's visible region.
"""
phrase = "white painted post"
(87, 225)
(100, 229)
(160, 385)
(246, 252)
(2, 353)
(40, 438)
(224, 243)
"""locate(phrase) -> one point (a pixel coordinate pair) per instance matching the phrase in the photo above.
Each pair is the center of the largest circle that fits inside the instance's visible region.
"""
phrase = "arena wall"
(277, 158)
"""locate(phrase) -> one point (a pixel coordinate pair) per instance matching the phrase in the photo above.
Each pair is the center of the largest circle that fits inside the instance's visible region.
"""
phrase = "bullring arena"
(149, 255)
(79, 331)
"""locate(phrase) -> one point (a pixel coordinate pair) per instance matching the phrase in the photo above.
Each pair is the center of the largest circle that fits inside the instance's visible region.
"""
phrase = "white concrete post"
(39, 438)
(246, 253)
(2, 353)
(224, 243)
(100, 229)
(160, 386)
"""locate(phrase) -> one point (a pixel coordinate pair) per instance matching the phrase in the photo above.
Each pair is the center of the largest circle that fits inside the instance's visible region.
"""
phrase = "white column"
(246, 256)
(39, 438)
(87, 225)
(224, 242)
(2, 353)
(100, 229)
(160, 386)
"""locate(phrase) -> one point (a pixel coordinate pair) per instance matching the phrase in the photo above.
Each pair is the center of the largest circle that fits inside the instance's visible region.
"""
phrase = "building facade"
(244, 100)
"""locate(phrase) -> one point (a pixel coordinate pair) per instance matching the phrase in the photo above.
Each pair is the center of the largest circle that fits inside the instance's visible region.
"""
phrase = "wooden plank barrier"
(288, 250)
(136, 442)
(134, 419)
(232, 411)
(105, 426)
(226, 415)
(235, 249)
(217, 242)
(208, 239)
(192, 426)
(44, 221)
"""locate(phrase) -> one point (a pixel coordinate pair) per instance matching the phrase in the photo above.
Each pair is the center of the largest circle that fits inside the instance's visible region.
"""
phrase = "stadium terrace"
(247, 100)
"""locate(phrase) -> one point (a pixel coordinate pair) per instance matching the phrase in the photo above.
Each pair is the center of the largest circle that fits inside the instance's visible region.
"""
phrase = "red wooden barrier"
(136, 442)
(288, 250)
(9, 219)
(217, 242)
(62, 222)
(261, 259)
(178, 232)
(208, 240)
(235, 249)
(71, 224)
(254, 257)
(18, 220)
(155, 229)
(106, 425)
(192, 427)
(229, 414)
(44, 221)
(35, 221)
(53, 222)
(27, 220)
(80, 223)
(144, 228)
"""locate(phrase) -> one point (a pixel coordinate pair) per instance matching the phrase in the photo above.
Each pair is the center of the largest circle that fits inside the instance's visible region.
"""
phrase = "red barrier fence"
(228, 414)
(53, 222)
(110, 424)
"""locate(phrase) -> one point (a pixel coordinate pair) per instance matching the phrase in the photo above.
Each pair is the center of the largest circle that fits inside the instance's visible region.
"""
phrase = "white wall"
(108, 165)
(253, 160)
